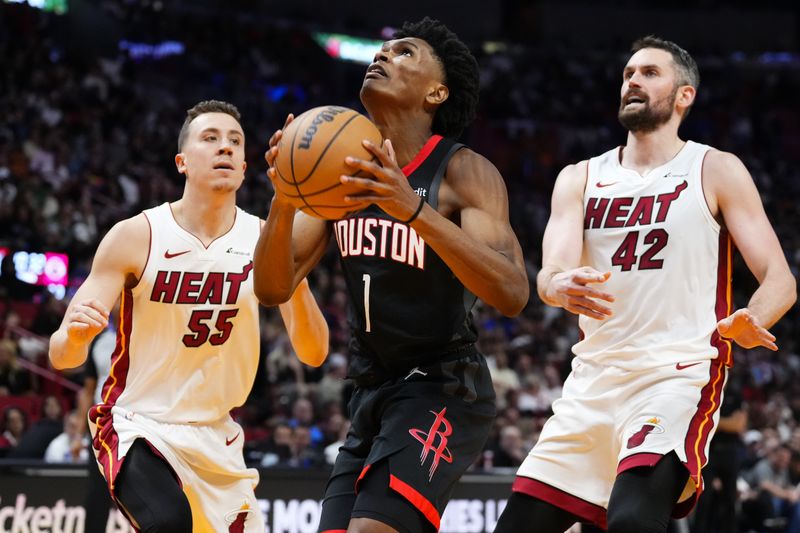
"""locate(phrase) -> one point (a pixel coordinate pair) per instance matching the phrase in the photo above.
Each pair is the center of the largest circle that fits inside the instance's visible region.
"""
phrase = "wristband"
(417, 212)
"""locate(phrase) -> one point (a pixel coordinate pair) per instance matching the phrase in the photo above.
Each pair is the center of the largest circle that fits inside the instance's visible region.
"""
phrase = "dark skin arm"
(290, 244)
(481, 249)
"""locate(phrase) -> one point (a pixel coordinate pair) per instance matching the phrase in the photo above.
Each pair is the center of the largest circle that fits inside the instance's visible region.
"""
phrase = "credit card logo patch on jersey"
(651, 426)
(233, 251)
(434, 440)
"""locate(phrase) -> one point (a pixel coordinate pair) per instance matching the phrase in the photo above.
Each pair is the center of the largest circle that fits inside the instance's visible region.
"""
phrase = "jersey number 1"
(366, 279)
(202, 333)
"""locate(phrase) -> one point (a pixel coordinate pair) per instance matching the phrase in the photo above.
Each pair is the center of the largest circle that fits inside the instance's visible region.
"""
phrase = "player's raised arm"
(120, 257)
(731, 187)
(290, 244)
(562, 282)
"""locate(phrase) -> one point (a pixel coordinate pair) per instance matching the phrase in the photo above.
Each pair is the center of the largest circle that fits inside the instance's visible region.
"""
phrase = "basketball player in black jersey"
(436, 237)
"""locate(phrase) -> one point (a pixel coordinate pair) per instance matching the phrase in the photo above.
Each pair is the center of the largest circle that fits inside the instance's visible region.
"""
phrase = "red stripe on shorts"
(417, 500)
(701, 428)
(586, 511)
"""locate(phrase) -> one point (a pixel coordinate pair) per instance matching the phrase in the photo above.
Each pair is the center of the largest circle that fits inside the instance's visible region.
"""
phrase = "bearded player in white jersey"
(639, 245)
(187, 344)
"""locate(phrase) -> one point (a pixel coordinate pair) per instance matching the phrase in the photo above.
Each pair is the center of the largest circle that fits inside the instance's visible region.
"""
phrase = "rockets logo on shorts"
(650, 426)
(441, 428)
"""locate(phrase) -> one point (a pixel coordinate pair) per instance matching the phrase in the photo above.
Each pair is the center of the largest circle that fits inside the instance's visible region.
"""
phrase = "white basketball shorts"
(610, 420)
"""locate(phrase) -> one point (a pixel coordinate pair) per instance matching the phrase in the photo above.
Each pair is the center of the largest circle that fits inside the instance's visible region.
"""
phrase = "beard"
(649, 116)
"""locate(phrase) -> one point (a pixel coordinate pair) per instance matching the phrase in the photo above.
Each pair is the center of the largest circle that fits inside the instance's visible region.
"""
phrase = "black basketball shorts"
(425, 429)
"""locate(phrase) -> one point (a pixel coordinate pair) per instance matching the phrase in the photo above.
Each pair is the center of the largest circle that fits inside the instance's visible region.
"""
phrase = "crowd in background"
(89, 139)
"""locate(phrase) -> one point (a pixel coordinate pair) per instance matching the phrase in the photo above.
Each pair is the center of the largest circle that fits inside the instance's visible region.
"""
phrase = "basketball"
(311, 159)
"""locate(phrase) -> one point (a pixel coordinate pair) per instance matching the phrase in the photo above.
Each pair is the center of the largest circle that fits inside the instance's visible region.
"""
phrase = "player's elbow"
(269, 296)
(515, 301)
(313, 355)
(791, 291)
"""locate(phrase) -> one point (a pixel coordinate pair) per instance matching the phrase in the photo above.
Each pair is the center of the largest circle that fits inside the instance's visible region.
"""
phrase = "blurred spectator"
(303, 416)
(331, 385)
(34, 442)
(332, 450)
(14, 380)
(510, 451)
(71, 446)
(277, 451)
(504, 378)
(304, 453)
(12, 428)
(533, 397)
(773, 495)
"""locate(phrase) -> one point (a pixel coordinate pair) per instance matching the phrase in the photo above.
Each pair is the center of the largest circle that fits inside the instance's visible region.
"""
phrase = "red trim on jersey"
(149, 249)
(417, 500)
(702, 174)
(106, 440)
(422, 155)
(723, 305)
(120, 359)
(586, 511)
(334, 531)
(701, 428)
(361, 476)
(638, 459)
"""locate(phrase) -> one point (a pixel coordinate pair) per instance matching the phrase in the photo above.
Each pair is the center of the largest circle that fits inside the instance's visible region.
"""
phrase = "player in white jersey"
(187, 344)
(639, 246)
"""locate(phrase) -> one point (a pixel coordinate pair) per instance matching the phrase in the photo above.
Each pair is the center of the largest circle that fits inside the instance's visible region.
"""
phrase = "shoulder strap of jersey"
(433, 196)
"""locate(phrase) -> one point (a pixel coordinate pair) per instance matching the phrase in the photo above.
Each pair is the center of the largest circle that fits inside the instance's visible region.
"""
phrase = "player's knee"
(177, 520)
(629, 520)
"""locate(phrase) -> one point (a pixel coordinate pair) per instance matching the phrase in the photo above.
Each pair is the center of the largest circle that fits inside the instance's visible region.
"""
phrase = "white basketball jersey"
(188, 342)
(670, 263)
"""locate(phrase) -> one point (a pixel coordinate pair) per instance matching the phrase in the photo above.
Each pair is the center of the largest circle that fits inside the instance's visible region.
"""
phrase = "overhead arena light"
(347, 47)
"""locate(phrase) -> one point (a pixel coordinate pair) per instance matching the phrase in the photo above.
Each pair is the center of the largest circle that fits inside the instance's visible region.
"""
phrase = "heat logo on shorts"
(441, 427)
(650, 426)
(237, 518)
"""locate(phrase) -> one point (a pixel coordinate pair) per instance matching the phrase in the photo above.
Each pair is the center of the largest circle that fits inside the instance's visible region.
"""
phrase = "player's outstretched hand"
(572, 291)
(85, 320)
(272, 152)
(389, 188)
(743, 328)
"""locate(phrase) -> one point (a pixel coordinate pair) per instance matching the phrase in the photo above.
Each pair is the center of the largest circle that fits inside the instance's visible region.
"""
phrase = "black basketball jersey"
(407, 308)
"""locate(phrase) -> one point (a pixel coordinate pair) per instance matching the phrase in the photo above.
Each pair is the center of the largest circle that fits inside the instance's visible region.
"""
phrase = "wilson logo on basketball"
(440, 428)
(326, 115)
